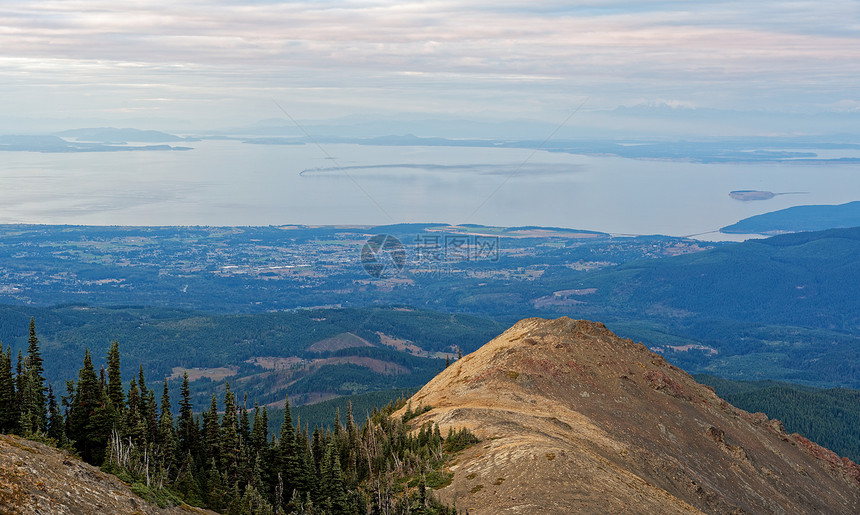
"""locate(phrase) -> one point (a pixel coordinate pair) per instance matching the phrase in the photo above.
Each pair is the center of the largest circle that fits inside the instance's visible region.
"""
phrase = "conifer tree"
(290, 470)
(114, 387)
(244, 422)
(19, 379)
(166, 434)
(259, 433)
(211, 431)
(134, 425)
(86, 401)
(305, 480)
(56, 426)
(34, 363)
(187, 427)
(186, 482)
(148, 414)
(229, 436)
(8, 398)
(28, 420)
(214, 487)
(334, 486)
(102, 379)
(34, 415)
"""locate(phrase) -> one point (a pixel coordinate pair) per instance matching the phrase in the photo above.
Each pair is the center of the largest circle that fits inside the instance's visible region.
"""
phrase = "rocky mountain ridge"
(576, 420)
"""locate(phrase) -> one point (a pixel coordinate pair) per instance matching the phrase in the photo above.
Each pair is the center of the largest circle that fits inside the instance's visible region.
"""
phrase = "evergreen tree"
(166, 434)
(19, 379)
(334, 486)
(8, 398)
(187, 426)
(287, 453)
(259, 434)
(86, 401)
(186, 483)
(214, 487)
(114, 387)
(229, 436)
(135, 427)
(148, 414)
(211, 432)
(244, 423)
(34, 415)
(56, 426)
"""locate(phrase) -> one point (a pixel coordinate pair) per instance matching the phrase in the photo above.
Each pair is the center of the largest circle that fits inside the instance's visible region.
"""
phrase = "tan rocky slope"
(37, 479)
(576, 420)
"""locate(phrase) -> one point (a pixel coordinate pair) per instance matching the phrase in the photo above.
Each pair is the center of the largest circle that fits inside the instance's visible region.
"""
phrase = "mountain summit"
(574, 419)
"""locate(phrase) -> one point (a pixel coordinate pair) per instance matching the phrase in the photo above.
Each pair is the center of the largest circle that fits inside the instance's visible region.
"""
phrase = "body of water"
(232, 183)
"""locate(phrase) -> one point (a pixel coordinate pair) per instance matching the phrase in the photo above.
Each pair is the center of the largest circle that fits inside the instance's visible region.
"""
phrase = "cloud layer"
(223, 61)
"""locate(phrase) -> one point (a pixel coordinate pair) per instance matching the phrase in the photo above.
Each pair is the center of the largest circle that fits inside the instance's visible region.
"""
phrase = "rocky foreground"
(576, 420)
(37, 479)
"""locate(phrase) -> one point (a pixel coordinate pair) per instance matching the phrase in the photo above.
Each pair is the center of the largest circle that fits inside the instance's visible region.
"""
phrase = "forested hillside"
(270, 354)
(223, 458)
(781, 308)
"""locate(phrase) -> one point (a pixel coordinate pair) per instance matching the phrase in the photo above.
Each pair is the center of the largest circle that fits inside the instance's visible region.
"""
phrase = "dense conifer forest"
(224, 458)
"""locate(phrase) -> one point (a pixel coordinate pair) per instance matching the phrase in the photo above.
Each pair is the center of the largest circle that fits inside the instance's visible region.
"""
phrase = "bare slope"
(35, 478)
(576, 420)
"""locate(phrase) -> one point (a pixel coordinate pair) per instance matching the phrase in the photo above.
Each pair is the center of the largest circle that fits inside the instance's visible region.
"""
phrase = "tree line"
(225, 459)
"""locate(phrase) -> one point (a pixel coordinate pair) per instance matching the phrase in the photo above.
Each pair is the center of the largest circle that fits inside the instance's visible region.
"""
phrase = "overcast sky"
(205, 64)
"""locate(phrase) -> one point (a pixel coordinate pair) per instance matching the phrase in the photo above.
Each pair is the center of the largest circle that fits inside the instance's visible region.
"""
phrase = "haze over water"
(232, 183)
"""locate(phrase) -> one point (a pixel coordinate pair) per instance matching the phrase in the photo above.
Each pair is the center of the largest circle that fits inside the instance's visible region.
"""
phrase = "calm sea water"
(231, 183)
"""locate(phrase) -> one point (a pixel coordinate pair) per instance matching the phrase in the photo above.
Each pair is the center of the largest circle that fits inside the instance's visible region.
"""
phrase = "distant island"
(47, 144)
(799, 218)
(115, 136)
(748, 195)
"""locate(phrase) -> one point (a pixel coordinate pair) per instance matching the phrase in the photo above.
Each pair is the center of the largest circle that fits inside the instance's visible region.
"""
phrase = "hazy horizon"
(637, 68)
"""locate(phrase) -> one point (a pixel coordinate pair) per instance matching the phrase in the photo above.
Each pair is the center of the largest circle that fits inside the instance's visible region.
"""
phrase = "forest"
(224, 457)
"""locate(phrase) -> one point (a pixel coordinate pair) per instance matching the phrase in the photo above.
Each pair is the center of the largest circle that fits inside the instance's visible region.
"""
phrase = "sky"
(624, 67)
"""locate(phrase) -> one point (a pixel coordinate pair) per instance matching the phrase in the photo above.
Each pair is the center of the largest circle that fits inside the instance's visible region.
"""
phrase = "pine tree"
(289, 461)
(20, 379)
(215, 489)
(244, 423)
(229, 436)
(333, 484)
(211, 431)
(115, 377)
(134, 426)
(148, 414)
(34, 411)
(187, 427)
(186, 483)
(259, 434)
(86, 402)
(56, 425)
(8, 397)
(166, 434)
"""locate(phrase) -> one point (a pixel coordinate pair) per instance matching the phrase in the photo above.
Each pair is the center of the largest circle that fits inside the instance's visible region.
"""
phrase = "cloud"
(482, 56)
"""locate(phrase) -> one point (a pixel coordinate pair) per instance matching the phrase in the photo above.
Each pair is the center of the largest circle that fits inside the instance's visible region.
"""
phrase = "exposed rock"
(574, 419)
(37, 479)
